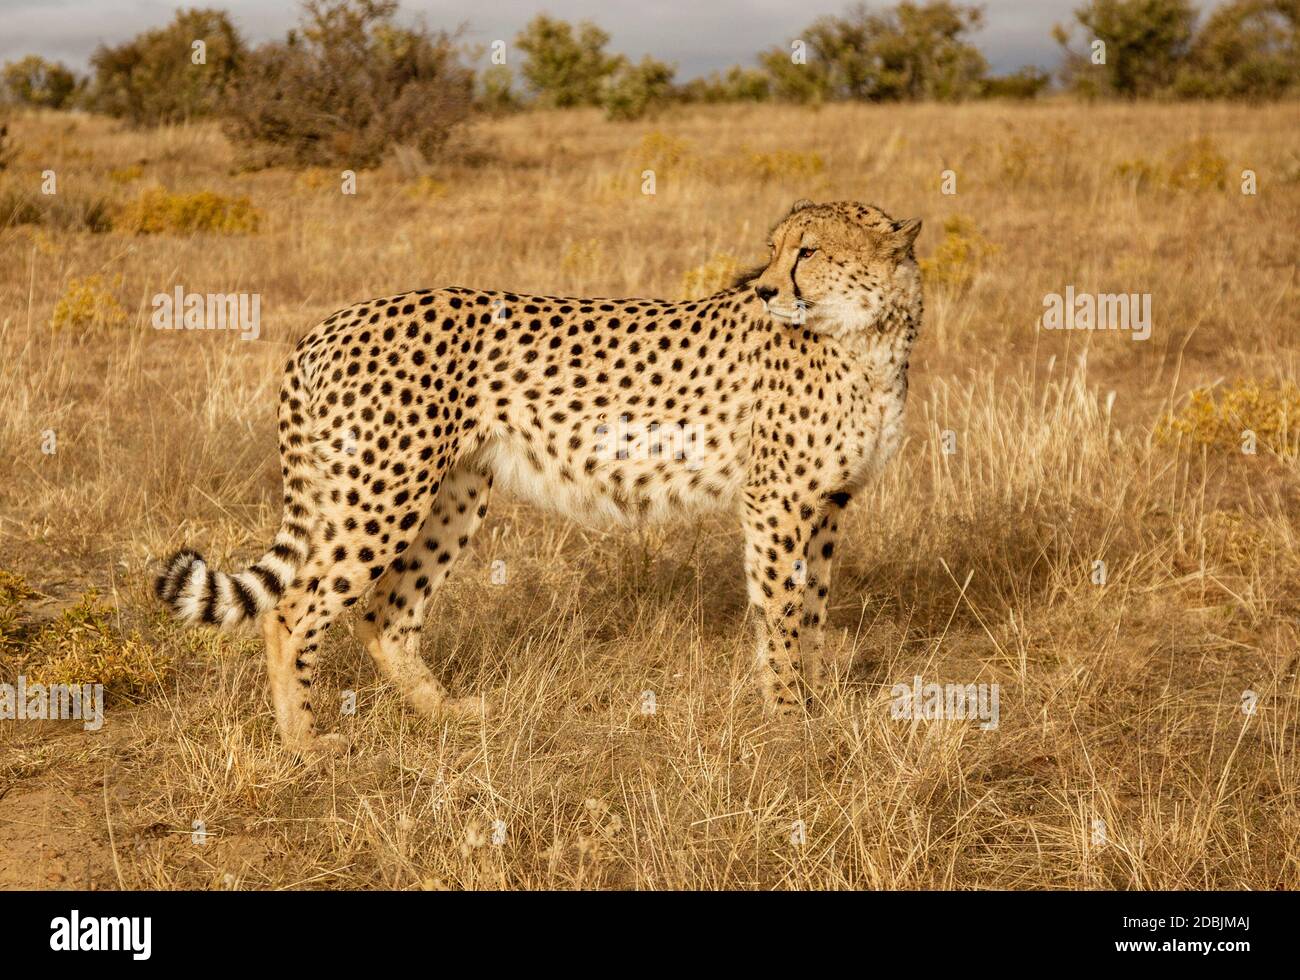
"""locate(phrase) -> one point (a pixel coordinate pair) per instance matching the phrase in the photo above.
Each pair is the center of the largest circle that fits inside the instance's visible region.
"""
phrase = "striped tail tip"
(196, 593)
(183, 585)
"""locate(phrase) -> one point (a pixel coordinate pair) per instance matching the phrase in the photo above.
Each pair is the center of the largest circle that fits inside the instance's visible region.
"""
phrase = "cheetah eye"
(807, 253)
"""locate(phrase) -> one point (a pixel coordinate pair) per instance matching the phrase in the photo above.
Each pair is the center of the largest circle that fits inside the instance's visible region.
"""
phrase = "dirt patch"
(41, 845)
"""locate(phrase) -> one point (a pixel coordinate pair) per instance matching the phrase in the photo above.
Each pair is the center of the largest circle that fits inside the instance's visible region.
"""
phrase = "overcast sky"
(699, 35)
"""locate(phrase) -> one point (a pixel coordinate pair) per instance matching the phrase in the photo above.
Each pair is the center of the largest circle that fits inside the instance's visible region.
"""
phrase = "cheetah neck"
(882, 351)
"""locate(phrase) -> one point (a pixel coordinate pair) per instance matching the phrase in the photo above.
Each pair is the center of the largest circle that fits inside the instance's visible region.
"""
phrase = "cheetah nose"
(765, 292)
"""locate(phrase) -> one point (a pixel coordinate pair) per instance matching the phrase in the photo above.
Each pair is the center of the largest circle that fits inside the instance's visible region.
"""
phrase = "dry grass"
(1120, 703)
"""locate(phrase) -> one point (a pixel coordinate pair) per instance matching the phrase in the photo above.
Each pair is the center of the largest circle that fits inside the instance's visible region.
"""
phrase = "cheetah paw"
(323, 747)
(786, 707)
(467, 709)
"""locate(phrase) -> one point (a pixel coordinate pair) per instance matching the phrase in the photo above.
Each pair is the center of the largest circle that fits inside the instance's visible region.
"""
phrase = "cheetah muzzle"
(779, 397)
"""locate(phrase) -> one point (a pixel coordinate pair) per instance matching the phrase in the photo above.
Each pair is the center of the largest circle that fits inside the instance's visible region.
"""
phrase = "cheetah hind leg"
(390, 629)
(293, 718)
(334, 578)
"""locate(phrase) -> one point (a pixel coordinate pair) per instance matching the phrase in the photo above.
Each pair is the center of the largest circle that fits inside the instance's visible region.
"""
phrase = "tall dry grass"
(1123, 757)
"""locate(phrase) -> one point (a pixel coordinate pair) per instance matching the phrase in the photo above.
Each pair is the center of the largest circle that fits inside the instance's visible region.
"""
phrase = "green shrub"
(1247, 49)
(14, 591)
(636, 90)
(562, 68)
(153, 78)
(85, 645)
(494, 90)
(1145, 43)
(737, 84)
(33, 81)
(909, 51)
(1027, 83)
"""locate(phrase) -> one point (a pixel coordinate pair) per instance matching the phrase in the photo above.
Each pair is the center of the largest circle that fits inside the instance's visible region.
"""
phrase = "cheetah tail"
(199, 594)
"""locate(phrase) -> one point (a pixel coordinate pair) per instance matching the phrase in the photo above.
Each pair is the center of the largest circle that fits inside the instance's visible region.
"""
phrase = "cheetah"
(399, 416)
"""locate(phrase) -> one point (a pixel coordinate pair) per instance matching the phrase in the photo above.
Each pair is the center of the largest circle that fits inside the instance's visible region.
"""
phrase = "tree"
(34, 81)
(348, 86)
(736, 84)
(634, 90)
(1146, 42)
(1025, 83)
(808, 80)
(922, 53)
(910, 51)
(7, 149)
(167, 75)
(494, 90)
(1247, 49)
(562, 69)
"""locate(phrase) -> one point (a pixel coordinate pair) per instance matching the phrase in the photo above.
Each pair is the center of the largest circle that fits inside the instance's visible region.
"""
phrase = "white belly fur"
(672, 491)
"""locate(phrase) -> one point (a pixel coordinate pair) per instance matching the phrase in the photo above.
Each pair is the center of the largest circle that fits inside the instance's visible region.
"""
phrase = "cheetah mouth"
(789, 314)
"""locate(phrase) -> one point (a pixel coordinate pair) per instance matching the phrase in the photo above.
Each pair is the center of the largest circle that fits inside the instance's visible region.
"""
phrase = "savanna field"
(1148, 714)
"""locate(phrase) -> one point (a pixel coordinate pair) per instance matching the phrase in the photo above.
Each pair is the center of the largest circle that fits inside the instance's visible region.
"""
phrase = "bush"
(348, 88)
(736, 85)
(1146, 42)
(7, 149)
(1248, 49)
(811, 83)
(33, 81)
(85, 645)
(1195, 166)
(910, 51)
(668, 156)
(494, 91)
(153, 78)
(635, 90)
(14, 591)
(157, 211)
(88, 304)
(563, 69)
(959, 256)
(1269, 410)
(1027, 83)
(1052, 158)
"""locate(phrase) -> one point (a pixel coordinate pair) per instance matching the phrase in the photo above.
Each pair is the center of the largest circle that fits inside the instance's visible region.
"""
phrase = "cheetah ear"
(800, 205)
(904, 235)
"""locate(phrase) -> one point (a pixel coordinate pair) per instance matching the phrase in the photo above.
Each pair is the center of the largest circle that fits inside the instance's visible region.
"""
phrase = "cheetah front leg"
(820, 559)
(777, 531)
(390, 629)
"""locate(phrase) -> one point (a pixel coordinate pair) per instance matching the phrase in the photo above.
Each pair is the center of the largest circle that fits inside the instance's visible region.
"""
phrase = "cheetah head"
(842, 269)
